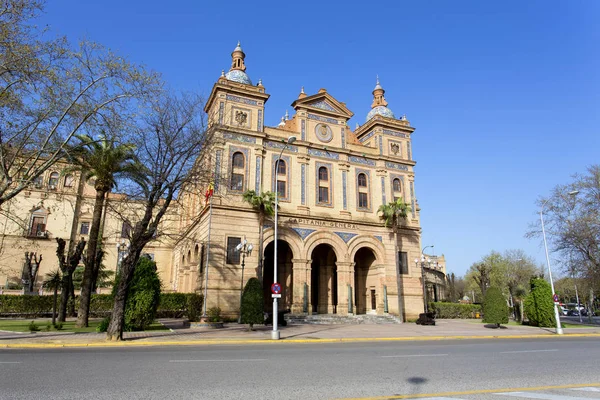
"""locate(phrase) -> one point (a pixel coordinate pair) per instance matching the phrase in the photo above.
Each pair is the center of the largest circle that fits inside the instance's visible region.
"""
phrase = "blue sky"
(504, 96)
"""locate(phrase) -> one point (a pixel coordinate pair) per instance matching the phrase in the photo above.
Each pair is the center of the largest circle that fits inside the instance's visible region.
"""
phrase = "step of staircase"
(333, 319)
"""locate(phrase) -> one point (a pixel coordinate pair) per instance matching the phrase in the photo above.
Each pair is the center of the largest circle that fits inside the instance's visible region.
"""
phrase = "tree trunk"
(90, 261)
(259, 270)
(54, 305)
(64, 296)
(398, 277)
(71, 304)
(117, 318)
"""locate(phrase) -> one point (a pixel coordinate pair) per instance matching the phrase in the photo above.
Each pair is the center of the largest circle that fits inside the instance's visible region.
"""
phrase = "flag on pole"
(209, 192)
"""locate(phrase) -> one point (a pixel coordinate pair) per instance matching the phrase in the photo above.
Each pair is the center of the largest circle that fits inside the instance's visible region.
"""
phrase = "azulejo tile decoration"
(303, 136)
(303, 232)
(258, 174)
(323, 119)
(279, 145)
(343, 138)
(367, 136)
(412, 198)
(344, 178)
(324, 154)
(380, 238)
(238, 76)
(394, 133)
(239, 138)
(383, 190)
(241, 99)
(380, 110)
(346, 236)
(380, 145)
(408, 153)
(392, 165)
(217, 169)
(361, 160)
(303, 184)
(260, 121)
(221, 110)
(323, 105)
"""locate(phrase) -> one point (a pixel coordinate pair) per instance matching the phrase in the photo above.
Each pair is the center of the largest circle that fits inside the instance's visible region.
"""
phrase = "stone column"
(345, 277)
(300, 276)
(329, 293)
(323, 290)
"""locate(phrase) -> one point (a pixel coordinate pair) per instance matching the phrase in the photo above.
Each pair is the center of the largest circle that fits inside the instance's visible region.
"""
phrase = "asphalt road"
(300, 371)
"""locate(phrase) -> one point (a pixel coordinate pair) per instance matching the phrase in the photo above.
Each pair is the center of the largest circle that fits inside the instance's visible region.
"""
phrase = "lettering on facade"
(326, 224)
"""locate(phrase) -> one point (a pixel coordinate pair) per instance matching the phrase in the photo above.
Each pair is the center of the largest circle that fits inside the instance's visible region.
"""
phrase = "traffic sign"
(276, 296)
(555, 298)
(276, 288)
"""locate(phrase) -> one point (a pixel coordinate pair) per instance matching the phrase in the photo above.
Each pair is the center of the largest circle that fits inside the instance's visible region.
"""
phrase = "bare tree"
(67, 264)
(169, 144)
(50, 91)
(32, 266)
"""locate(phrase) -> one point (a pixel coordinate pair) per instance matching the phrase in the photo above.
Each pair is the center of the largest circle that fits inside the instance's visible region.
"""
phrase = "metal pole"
(275, 333)
(578, 307)
(242, 283)
(559, 330)
(424, 287)
(207, 255)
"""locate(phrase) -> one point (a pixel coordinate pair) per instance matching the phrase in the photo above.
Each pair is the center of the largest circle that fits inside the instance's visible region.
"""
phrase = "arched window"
(238, 171)
(323, 186)
(189, 257)
(281, 167)
(196, 250)
(69, 180)
(53, 181)
(183, 260)
(323, 174)
(281, 178)
(396, 185)
(362, 184)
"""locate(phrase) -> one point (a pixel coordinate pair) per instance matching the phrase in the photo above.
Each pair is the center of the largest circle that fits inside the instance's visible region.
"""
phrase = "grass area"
(22, 325)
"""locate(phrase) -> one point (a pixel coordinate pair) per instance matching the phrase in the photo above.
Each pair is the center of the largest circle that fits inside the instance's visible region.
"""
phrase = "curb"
(282, 341)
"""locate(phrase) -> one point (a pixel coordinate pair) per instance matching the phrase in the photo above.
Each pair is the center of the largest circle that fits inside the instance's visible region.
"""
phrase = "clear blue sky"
(504, 96)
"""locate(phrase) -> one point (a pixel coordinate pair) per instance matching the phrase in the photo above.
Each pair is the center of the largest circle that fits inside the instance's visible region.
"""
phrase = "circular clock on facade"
(323, 133)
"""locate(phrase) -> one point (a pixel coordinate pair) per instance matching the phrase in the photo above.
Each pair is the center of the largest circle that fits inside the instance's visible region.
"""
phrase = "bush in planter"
(252, 304)
(214, 314)
(539, 305)
(495, 309)
(454, 310)
(193, 307)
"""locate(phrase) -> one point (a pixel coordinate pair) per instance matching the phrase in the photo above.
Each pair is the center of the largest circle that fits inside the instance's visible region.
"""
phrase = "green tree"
(394, 215)
(495, 309)
(252, 304)
(264, 203)
(539, 305)
(105, 160)
(53, 282)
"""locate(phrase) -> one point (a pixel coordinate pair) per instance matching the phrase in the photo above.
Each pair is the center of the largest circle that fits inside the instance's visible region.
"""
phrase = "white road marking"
(587, 389)
(238, 360)
(416, 355)
(440, 398)
(527, 351)
(542, 396)
(10, 362)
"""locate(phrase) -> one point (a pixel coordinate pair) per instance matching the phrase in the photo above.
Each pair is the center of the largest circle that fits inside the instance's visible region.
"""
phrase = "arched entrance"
(323, 280)
(366, 285)
(284, 274)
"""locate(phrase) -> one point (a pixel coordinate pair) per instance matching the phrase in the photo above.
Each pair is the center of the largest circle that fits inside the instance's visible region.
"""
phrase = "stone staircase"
(334, 319)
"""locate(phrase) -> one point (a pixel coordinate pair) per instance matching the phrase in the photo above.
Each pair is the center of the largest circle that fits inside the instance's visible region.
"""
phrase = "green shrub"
(48, 326)
(172, 305)
(454, 310)
(214, 314)
(539, 305)
(25, 305)
(58, 326)
(495, 309)
(143, 296)
(252, 303)
(194, 306)
(103, 325)
(33, 327)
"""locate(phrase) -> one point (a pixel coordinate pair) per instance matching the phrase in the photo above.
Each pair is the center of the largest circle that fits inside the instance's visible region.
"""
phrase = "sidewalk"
(237, 334)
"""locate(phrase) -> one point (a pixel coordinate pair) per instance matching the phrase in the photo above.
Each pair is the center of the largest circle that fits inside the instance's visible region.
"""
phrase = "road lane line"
(541, 396)
(587, 389)
(238, 360)
(526, 351)
(416, 355)
(10, 362)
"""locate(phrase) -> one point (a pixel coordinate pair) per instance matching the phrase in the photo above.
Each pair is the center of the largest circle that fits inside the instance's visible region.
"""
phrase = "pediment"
(325, 103)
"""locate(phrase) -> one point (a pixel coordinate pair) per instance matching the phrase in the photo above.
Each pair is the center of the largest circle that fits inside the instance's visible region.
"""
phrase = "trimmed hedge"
(172, 305)
(454, 310)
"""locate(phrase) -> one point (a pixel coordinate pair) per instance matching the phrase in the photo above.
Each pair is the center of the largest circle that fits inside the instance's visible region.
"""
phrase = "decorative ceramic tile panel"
(324, 119)
(303, 232)
(221, 111)
(392, 165)
(346, 236)
(412, 198)
(344, 178)
(241, 100)
(367, 137)
(383, 190)
(258, 175)
(303, 184)
(280, 145)
(380, 145)
(394, 133)
(217, 169)
(324, 154)
(239, 138)
(303, 130)
(343, 138)
(361, 160)
(260, 121)
(408, 152)
(380, 238)
(322, 104)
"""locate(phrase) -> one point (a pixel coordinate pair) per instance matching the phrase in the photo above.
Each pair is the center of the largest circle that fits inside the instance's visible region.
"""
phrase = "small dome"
(380, 110)
(237, 75)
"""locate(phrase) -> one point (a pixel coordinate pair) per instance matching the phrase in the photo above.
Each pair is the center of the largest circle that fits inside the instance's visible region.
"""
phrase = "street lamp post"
(275, 333)
(244, 248)
(426, 307)
(559, 330)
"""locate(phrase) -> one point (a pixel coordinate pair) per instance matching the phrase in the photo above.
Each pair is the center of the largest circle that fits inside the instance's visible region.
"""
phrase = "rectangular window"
(363, 201)
(233, 256)
(403, 259)
(126, 229)
(85, 228)
(237, 182)
(281, 188)
(38, 227)
(323, 194)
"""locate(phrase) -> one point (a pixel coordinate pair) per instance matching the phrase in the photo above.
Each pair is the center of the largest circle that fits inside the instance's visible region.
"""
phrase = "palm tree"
(264, 203)
(393, 214)
(53, 281)
(105, 160)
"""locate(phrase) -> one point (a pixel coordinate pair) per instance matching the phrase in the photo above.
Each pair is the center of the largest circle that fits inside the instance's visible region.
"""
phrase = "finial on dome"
(282, 123)
(404, 118)
(259, 82)
(287, 116)
(302, 94)
(238, 47)
(378, 85)
(378, 99)
(222, 73)
(357, 126)
(237, 59)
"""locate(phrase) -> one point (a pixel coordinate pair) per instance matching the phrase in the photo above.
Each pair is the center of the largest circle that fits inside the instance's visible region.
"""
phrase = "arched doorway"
(323, 280)
(366, 288)
(284, 274)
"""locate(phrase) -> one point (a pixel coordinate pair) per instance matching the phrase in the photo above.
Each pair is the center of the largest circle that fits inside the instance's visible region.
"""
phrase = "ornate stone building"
(334, 253)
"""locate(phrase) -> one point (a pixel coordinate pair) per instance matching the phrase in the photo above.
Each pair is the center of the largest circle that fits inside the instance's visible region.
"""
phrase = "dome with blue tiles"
(237, 72)
(379, 106)
(238, 76)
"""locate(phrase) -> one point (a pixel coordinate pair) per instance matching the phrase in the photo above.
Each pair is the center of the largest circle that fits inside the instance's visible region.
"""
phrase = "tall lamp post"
(423, 275)
(559, 330)
(275, 333)
(244, 248)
